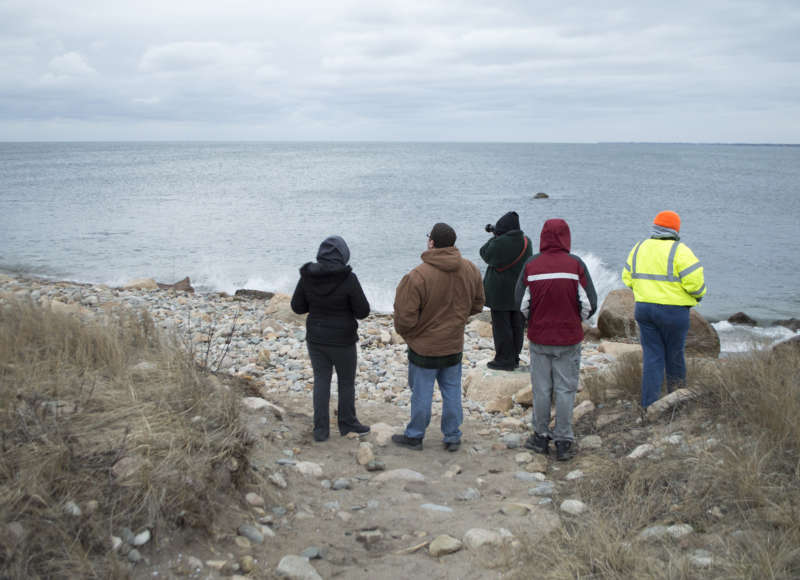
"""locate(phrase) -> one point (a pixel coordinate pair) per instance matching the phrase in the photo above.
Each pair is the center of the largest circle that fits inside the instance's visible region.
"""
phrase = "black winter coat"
(501, 278)
(334, 300)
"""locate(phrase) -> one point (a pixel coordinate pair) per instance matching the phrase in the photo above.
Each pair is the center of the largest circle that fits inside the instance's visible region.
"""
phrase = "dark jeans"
(324, 358)
(662, 333)
(508, 330)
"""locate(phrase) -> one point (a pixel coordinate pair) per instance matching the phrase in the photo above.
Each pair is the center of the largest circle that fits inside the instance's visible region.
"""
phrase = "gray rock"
(592, 442)
(573, 506)
(313, 553)
(436, 508)
(546, 488)
(341, 483)
(251, 533)
(469, 494)
(701, 559)
(296, 568)
(444, 544)
(529, 477)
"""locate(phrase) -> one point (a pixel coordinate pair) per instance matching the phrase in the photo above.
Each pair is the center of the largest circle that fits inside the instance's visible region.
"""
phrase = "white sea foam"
(735, 338)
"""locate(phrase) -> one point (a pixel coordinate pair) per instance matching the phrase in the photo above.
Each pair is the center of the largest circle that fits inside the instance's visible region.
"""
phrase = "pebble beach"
(262, 340)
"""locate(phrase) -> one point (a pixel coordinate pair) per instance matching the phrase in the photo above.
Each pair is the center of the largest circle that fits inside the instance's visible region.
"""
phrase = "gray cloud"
(390, 69)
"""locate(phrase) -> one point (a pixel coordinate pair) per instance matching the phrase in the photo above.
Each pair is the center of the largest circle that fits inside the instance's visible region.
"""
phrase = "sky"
(400, 70)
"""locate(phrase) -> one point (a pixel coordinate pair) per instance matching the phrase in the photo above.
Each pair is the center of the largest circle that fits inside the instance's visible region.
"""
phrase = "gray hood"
(333, 253)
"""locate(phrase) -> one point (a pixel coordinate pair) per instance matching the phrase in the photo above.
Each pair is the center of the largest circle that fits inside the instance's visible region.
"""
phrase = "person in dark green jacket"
(505, 253)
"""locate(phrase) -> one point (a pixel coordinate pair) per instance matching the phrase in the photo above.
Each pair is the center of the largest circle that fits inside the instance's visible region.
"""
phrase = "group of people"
(548, 294)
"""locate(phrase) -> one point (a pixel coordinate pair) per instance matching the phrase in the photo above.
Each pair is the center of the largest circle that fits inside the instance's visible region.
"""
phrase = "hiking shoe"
(496, 366)
(538, 444)
(320, 436)
(452, 447)
(356, 428)
(565, 450)
(410, 442)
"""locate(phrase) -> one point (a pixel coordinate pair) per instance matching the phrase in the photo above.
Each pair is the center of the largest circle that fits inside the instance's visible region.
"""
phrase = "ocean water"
(247, 215)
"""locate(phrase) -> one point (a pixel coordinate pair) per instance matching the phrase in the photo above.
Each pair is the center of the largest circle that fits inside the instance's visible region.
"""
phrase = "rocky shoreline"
(363, 508)
(256, 336)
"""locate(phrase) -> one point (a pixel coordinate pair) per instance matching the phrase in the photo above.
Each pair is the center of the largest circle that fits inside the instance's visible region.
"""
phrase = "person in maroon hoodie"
(555, 293)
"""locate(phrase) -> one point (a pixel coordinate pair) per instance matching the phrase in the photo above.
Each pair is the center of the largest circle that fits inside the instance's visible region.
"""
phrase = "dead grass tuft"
(108, 418)
(736, 481)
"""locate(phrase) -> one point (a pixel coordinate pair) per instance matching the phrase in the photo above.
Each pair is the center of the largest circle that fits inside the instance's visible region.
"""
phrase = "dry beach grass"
(103, 427)
(114, 420)
(741, 492)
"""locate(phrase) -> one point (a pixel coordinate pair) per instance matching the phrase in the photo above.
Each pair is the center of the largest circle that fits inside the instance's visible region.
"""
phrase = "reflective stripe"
(628, 268)
(658, 277)
(690, 269)
(633, 260)
(671, 262)
(669, 277)
(553, 276)
(696, 292)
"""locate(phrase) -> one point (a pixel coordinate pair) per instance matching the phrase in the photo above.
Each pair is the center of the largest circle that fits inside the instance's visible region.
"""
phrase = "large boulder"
(791, 323)
(487, 386)
(184, 285)
(741, 318)
(245, 293)
(141, 284)
(279, 308)
(616, 319)
(702, 339)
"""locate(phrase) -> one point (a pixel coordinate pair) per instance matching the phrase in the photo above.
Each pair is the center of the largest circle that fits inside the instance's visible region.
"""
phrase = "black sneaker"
(320, 436)
(453, 447)
(538, 444)
(496, 366)
(565, 450)
(356, 428)
(410, 442)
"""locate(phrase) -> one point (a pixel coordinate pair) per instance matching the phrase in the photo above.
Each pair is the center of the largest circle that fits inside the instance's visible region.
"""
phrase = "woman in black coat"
(331, 294)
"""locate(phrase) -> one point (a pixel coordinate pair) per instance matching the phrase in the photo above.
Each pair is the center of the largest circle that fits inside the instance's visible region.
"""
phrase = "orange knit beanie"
(668, 219)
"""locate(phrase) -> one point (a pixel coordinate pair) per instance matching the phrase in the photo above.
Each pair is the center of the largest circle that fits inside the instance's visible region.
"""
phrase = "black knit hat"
(443, 236)
(507, 223)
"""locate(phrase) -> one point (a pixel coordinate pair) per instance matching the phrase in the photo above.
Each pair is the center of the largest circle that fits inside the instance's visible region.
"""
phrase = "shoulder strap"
(522, 253)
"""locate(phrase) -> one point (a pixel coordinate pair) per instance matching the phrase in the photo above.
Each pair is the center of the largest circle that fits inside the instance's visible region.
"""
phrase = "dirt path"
(369, 529)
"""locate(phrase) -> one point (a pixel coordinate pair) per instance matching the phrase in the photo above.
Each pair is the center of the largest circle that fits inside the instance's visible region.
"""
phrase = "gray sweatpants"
(555, 371)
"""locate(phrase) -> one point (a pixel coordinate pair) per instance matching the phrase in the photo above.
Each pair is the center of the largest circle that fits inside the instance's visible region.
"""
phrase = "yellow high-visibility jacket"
(664, 271)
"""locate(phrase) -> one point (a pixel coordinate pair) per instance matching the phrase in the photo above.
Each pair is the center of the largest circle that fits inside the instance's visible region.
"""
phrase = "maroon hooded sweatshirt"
(558, 289)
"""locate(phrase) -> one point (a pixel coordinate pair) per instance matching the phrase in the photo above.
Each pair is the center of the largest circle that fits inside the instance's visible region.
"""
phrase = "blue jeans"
(662, 333)
(421, 382)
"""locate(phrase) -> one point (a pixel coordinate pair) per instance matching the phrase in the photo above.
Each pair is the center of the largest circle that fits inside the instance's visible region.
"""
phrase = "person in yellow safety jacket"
(667, 279)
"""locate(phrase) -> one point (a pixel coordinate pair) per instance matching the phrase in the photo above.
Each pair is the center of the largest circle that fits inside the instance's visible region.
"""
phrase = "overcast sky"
(400, 70)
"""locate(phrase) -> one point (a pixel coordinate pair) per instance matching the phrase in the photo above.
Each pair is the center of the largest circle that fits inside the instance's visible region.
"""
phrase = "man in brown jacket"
(431, 308)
